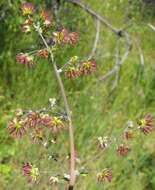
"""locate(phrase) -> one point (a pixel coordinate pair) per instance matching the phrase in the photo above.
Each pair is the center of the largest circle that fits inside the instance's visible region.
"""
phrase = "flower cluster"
(43, 53)
(105, 175)
(72, 72)
(129, 131)
(128, 134)
(35, 121)
(76, 69)
(27, 9)
(146, 124)
(31, 172)
(46, 18)
(123, 150)
(63, 36)
(25, 59)
(16, 128)
(88, 67)
(103, 142)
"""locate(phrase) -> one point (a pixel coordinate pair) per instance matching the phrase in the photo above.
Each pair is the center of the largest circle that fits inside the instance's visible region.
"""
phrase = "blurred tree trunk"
(55, 6)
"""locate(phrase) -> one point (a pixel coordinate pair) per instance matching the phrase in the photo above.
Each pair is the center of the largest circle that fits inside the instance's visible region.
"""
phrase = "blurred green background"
(96, 107)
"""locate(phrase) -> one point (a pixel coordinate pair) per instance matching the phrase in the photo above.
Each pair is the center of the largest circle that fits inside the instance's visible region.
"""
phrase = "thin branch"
(117, 62)
(68, 111)
(96, 39)
(121, 62)
(95, 15)
(118, 32)
(140, 52)
(152, 27)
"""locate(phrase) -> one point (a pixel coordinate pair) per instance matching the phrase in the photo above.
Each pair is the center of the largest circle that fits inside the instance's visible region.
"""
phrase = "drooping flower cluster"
(31, 172)
(46, 18)
(103, 142)
(123, 150)
(146, 124)
(27, 9)
(16, 128)
(72, 72)
(76, 68)
(36, 122)
(63, 36)
(105, 175)
(43, 53)
(88, 67)
(128, 134)
(129, 131)
(25, 59)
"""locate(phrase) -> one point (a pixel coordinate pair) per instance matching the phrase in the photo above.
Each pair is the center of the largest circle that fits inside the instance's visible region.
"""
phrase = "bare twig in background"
(96, 39)
(121, 62)
(152, 27)
(119, 32)
(95, 15)
(55, 8)
(117, 62)
(140, 52)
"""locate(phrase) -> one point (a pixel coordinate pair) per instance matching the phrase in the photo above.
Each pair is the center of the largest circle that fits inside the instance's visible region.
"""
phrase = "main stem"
(68, 111)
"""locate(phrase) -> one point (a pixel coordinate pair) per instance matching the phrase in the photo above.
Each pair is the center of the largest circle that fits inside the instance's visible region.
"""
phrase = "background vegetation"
(96, 107)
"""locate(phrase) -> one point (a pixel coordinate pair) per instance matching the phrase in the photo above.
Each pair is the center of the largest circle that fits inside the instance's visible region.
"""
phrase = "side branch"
(121, 62)
(96, 39)
(152, 27)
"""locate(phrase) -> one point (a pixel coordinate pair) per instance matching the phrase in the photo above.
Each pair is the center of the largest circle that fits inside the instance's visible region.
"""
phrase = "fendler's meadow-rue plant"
(55, 119)
(35, 122)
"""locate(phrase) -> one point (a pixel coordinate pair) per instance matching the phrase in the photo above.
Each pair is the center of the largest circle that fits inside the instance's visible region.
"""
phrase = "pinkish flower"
(103, 142)
(31, 172)
(56, 125)
(38, 135)
(65, 37)
(46, 120)
(146, 124)
(128, 134)
(17, 128)
(28, 21)
(27, 8)
(33, 120)
(43, 53)
(123, 150)
(25, 59)
(46, 17)
(58, 37)
(105, 175)
(71, 38)
(26, 26)
(72, 72)
(88, 67)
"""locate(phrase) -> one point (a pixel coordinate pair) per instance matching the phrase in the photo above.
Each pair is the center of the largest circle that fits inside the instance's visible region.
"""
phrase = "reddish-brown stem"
(68, 111)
